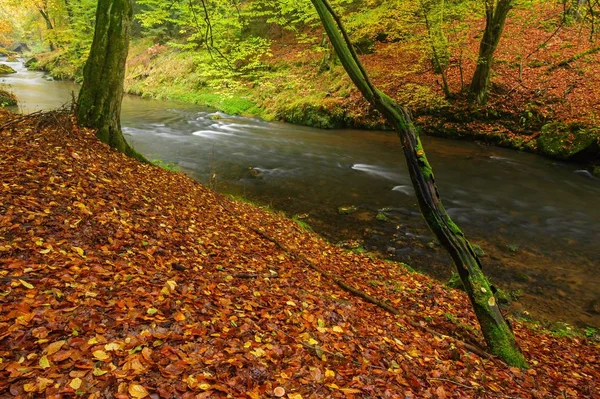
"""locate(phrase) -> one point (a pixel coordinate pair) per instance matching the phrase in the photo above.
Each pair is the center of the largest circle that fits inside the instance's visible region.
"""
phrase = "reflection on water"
(537, 220)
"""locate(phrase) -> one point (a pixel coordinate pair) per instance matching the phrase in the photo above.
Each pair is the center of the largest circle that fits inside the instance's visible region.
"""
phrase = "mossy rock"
(12, 58)
(7, 99)
(347, 209)
(5, 69)
(319, 113)
(596, 170)
(570, 142)
(31, 62)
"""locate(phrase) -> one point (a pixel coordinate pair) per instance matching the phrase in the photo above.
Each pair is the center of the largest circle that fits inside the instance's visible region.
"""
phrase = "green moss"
(7, 98)
(301, 223)
(315, 112)
(6, 69)
(382, 217)
(170, 166)
(455, 282)
(569, 141)
(426, 168)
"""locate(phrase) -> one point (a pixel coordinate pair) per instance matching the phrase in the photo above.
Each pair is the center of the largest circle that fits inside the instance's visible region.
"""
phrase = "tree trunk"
(494, 25)
(44, 12)
(496, 330)
(100, 97)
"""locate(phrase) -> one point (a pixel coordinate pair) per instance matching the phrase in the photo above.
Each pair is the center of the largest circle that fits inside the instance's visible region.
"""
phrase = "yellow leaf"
(294, 396)
(329, 373)
(101, 355)
(26, 284)
(99, 372)
(75, 383)
(192, 382)
(30, 387)
(171, 284)
(44, 362)
(258, 352)
(492, 301)
(204, 386)
(79, 251)
(137, 391)
(151, 311)
(54, 347)
(338, 329)
(46, 251)
(113, 346)
(312, 341)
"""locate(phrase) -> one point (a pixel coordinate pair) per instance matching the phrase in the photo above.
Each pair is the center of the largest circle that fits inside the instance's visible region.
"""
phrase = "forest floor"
(121, 279)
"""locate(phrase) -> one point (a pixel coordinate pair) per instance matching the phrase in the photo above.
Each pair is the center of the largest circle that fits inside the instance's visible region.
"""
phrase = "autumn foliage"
(119, 279)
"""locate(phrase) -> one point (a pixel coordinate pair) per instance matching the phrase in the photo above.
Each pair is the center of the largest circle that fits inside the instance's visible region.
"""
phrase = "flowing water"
(537, 220)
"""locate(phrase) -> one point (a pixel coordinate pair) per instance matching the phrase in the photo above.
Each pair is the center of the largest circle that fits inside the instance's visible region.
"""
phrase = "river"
(537, 220)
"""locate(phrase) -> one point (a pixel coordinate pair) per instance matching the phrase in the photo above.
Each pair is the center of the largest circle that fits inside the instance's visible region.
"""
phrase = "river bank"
(118, 264)
(544, 104)
(535, 220)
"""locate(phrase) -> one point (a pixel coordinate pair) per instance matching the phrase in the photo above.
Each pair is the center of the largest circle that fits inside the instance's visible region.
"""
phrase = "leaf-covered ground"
(119, 279)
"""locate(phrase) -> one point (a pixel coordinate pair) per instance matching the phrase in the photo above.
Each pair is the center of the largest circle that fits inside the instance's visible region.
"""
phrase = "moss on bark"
(100, 97)
(496, 331)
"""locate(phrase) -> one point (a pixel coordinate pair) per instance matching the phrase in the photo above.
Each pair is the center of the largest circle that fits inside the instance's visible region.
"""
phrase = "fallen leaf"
(26, 284)
(54, 347)
(44, 362)
(137, 391)
(75, 383)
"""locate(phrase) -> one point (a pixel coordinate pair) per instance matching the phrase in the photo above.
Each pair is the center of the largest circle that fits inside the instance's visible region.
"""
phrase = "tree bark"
(43, 9)
(494, 25)
(100, 97)
(496, 331)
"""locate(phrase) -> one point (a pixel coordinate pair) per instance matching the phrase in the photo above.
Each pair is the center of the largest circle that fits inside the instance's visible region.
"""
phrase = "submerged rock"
(5, 69)
(347, 209)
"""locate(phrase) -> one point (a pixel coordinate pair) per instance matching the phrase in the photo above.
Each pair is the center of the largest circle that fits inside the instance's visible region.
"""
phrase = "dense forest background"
(272, 59)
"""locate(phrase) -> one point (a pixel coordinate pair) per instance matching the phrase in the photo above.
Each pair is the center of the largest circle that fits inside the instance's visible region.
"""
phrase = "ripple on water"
(211, 134)
(376, 170)
(404, 189)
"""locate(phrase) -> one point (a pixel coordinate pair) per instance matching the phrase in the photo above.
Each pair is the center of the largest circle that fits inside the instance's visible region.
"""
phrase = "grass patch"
(170, 166)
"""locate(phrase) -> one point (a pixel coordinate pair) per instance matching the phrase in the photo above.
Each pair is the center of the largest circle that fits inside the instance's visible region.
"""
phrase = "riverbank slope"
(122, 278)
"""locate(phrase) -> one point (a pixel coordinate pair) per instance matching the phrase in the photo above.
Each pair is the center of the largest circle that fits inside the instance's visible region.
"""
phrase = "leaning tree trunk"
(100, 97)
(494, 25)
(496, 330)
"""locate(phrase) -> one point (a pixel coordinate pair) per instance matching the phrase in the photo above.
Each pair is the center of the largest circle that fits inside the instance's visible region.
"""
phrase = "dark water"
(537, 220)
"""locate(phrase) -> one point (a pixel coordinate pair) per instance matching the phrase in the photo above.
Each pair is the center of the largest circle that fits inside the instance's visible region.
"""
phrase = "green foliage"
(301, 223)
(7, 98)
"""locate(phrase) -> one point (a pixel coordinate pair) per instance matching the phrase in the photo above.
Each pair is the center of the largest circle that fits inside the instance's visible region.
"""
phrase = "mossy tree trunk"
(100, 97)
(496, 12)
(496, 330)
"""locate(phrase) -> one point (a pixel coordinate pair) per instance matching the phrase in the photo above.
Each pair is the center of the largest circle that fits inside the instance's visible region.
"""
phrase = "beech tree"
(496, 12)
(100, 97)
(496, 331)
